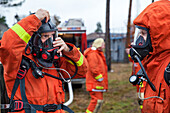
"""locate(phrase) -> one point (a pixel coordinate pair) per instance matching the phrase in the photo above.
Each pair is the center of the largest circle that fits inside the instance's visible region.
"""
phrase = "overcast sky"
(91, 11)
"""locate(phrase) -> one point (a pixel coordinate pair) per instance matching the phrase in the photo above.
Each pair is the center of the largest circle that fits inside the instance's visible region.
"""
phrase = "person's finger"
(58, 42)
(47, 16)
(58, 38)
(61, 48)
(57, 45)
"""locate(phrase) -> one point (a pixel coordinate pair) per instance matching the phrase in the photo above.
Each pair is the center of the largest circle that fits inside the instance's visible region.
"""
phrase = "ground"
(120, 98)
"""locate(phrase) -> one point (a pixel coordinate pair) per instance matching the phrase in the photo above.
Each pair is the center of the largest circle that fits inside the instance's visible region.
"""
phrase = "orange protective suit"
(41, 91)
(156, 17)
(97, 70)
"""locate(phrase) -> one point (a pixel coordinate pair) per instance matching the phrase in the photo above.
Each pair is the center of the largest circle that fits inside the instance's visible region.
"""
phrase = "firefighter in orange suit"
(151, 43)
(33, 38)
(96, 77)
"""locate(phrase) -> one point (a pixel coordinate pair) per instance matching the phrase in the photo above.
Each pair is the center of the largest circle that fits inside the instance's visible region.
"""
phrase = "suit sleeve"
(14, 41)
(78, 58)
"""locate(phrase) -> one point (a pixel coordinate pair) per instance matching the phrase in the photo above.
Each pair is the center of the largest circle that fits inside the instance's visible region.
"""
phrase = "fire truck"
(73, 31)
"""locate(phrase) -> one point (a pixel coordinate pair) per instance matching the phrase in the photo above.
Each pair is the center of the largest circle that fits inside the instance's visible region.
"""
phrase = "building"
(117, 43)
(92, 36)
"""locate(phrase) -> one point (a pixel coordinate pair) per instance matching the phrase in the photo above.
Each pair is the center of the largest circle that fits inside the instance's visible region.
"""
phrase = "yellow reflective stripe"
(21, 32)
(87, 111)
(141, 106)
(141, 84)
(79, 63)
(70, 62)
(99, 87)
(129, 55)
(99, 76)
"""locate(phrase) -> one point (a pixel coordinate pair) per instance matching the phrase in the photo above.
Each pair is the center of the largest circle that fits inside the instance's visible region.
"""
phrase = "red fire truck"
(74, 31)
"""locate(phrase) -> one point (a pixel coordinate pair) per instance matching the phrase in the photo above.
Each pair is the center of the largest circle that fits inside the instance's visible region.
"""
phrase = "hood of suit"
(156, 18)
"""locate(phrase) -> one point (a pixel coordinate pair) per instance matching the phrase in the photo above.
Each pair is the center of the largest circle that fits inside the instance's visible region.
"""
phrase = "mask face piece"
(140, 37)
(142, 43)
(44, 52)
(41, 44)
(47, 44)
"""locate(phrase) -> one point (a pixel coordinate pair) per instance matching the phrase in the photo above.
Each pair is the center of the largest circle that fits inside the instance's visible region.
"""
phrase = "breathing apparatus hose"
(144, 72)
(147, 97)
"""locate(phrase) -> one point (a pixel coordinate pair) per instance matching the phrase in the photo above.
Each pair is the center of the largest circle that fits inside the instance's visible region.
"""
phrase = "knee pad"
(98, 106)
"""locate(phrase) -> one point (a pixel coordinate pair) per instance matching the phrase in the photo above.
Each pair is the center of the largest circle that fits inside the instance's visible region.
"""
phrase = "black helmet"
(47, 27)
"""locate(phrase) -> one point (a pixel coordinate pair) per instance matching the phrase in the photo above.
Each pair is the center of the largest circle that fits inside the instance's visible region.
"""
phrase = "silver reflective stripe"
(4, 106)
(97, 90)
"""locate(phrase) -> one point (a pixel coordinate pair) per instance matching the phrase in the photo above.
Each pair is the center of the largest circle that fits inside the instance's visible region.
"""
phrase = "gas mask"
(44, 51)
(142, 43)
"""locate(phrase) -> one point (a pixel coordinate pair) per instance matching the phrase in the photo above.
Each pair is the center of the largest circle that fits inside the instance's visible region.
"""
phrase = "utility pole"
(126, 60)
(107, 36)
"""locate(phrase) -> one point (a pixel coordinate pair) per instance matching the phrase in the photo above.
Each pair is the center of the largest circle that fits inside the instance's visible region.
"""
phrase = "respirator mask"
(141, 45)
(43, 51)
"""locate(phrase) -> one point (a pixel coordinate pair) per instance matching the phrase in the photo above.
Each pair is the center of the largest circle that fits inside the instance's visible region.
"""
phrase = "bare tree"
(107, 36)
(128, 32)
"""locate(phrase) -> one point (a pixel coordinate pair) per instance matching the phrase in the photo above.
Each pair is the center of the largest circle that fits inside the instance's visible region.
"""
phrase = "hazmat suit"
(96, 77)
(156, 18)
(41, 91)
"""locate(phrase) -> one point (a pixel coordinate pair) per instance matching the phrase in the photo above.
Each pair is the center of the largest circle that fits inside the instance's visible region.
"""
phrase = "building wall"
(117, 50)
(117, 45)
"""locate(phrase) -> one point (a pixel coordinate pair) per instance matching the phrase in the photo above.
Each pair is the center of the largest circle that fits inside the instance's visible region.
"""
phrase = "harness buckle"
(21, 73)
(18, 105)
(50, 108)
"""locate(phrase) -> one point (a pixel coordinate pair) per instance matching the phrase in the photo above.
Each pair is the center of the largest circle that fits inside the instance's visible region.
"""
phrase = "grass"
(120, 98)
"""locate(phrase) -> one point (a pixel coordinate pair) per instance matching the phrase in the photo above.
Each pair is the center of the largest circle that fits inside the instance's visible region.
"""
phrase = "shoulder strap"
(24, 66)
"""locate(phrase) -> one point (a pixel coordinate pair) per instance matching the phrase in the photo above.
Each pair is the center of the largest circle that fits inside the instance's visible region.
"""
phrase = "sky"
(90, 11)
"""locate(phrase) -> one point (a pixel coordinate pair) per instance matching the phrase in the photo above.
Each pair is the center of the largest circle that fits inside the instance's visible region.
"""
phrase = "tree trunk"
(107, 36)
(126, 60)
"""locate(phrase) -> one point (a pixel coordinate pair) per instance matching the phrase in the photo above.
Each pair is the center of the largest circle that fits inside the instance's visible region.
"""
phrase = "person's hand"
(127, 50)
(41, 14)
(60, 43)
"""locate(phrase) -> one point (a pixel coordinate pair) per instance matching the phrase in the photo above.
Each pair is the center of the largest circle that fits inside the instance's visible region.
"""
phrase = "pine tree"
(99, 28)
